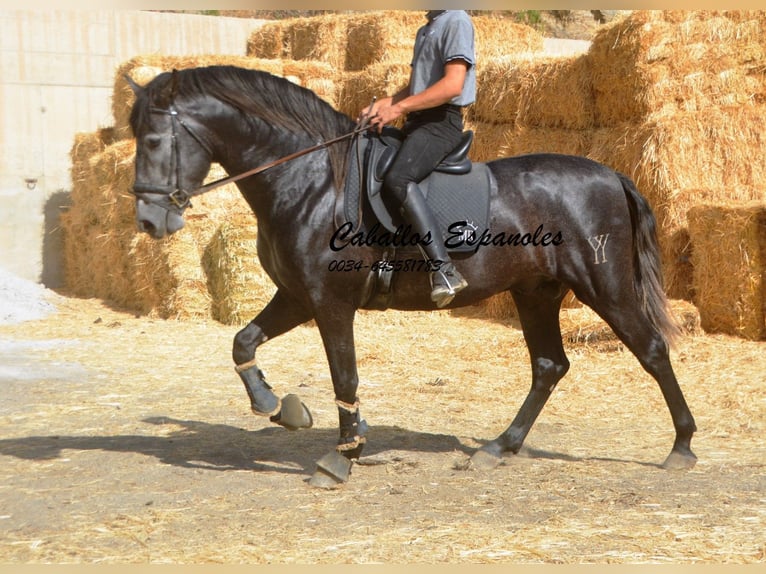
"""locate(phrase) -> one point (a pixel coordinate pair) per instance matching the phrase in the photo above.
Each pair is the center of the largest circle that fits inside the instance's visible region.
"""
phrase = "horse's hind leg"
(539, 317)
(633, 328)
(279, 316)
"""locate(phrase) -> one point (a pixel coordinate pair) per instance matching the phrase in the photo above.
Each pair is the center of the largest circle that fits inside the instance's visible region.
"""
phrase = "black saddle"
(457, 191)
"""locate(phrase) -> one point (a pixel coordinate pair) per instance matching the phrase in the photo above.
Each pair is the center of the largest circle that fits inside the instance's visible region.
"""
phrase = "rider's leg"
(430, 137)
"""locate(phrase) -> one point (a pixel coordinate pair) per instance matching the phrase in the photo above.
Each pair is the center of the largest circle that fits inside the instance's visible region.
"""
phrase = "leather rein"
(172, 196)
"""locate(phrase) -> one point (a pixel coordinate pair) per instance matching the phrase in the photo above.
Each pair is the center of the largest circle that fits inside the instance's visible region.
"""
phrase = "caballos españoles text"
(458, 235)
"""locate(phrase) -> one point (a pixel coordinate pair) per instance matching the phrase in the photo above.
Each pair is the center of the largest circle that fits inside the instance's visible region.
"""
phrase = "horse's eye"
(152, 141)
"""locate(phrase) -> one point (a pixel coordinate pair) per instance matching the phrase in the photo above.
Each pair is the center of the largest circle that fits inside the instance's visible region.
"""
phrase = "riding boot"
(446, 281)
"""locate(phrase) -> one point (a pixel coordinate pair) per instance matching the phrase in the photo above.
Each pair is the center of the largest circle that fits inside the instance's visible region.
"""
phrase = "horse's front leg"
(337, 330)
(279, 316)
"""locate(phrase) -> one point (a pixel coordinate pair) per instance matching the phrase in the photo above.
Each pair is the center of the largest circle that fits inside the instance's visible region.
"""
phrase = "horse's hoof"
(483, 460)
(333, 469)
(294, 414)
(679, 461)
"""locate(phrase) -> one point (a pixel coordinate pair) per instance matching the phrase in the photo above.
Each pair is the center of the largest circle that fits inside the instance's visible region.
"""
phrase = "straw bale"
(105, 257)
(142, 69)
(493, 141)
(489, 140)
(319, 77)
(684, 159)
(384, 36)
(662, 62)
(267, 41)
(729, 256)
(239, 286)
(320, 38)
(501, 37)
(524, 140)
(550, 92)
(355, 41)
(711, 150)
(377, 80)
(166, 278)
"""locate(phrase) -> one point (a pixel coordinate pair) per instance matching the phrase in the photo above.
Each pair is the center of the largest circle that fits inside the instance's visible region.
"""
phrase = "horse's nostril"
(146, 226)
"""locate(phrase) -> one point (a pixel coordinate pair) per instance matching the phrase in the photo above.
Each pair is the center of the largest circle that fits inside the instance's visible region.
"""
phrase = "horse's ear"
(168, 92)
(133, 85)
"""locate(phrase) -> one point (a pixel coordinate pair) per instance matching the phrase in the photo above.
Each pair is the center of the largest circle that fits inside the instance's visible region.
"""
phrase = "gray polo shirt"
(447, 36)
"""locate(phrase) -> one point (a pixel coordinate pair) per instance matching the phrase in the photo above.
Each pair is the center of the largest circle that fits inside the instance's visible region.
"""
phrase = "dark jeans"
(430, 136)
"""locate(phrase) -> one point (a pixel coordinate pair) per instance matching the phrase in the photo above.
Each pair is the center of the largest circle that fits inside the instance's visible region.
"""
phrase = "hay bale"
(729, 257)
(488, 140)
(355, 41)
(239, 286)
(501, 37)
(105, 256)
(320, 39)
(166, 277)
(493, 141)
(663, 62)
(377, 80)
(267, 41)
(524, 140)
(538, 92)
(381, 37)
(319, 77)
(672, 158)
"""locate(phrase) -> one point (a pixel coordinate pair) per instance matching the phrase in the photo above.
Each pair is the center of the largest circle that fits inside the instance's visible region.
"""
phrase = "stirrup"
(443, 293)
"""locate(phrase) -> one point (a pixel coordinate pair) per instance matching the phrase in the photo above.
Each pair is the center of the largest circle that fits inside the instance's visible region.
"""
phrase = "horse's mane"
(275, 100)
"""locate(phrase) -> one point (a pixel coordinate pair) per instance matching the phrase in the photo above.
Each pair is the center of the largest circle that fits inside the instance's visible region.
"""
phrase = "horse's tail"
(647, 266)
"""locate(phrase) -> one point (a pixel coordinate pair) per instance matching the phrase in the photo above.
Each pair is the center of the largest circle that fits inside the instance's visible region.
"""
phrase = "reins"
(231, 179)
(180, 199)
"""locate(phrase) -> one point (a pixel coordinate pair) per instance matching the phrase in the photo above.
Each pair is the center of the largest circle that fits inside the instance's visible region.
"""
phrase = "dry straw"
(239, 286)
(540, 92)
(354, 42)
(665, 61)
(729, 257)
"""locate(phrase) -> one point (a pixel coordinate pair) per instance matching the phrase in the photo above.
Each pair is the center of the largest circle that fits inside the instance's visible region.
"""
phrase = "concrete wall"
(56, 75)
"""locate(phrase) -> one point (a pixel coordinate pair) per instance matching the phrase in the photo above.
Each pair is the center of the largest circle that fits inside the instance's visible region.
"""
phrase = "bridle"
(173, 197)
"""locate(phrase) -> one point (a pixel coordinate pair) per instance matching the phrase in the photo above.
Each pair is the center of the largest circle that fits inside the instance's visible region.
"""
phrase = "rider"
(442, 81)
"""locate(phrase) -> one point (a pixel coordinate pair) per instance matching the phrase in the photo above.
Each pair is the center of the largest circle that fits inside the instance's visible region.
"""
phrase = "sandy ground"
(129, 439)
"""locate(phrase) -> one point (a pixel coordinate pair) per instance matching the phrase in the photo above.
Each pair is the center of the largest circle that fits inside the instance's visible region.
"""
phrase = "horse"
(601, 244)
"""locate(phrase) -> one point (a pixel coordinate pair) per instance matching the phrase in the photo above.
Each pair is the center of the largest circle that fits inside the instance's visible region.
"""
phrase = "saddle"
(457, 191)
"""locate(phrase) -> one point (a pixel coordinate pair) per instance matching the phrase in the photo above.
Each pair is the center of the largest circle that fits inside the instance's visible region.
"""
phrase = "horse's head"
(172, 159)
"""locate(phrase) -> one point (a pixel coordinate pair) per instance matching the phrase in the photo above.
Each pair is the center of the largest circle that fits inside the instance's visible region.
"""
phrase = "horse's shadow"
(195, 444)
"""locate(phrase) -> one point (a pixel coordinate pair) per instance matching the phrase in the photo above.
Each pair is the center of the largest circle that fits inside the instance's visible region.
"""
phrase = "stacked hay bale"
(238, 285)
(729, 256)
(679, 107)
(371, 52)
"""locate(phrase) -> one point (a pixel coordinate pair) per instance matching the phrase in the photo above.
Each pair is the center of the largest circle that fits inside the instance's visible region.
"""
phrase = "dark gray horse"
(556, 223)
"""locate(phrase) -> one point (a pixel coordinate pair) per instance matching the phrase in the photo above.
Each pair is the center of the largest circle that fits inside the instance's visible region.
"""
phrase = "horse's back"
(542, 175)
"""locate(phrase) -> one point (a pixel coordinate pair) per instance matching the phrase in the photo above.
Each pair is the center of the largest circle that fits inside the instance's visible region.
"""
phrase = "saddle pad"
(460, 203)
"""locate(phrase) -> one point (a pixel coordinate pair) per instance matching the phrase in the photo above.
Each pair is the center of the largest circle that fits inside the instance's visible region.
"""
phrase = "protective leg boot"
(446, 282)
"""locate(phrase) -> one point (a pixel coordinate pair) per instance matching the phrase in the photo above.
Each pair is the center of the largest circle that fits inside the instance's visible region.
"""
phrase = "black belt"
(444, 107)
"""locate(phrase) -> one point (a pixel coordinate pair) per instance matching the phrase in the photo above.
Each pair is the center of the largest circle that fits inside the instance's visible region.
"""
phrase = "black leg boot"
(446, 282)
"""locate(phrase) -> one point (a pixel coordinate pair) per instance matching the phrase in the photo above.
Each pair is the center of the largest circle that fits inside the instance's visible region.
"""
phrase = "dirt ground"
(129, 440)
